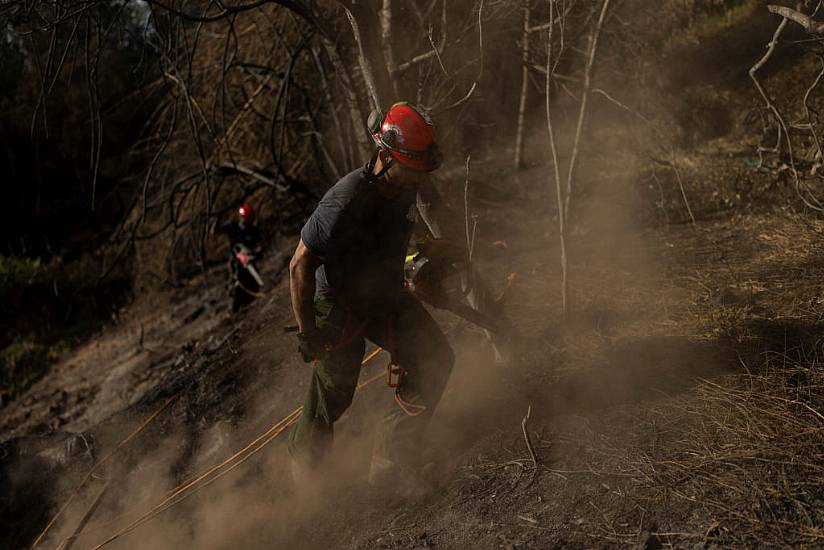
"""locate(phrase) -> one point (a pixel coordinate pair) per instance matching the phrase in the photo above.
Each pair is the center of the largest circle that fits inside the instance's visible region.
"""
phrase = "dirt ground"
(631, 399)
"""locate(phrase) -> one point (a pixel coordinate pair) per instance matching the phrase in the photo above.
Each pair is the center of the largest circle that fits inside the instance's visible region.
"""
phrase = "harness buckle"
(394, 375)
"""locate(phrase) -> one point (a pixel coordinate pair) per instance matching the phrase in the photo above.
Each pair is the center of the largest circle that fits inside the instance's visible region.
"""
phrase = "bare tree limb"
(783, 132)
(528, 439)
(683, 194)
(386, 39)
(556, 170)
(355, 114)
(767, 100)
(807, 22)
(470, 241)
(621, 105)
(348, 162)
(519, 130)
(593, 48)
(405, 66)
(436, 51)
(463, 100)
(365, 66)
(808, 111)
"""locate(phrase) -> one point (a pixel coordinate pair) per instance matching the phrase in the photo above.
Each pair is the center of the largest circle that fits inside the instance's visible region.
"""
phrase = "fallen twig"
(528, 440)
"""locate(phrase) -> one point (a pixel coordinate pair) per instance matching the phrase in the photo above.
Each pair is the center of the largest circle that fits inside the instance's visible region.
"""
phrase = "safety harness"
(399, 373)
(395, 374)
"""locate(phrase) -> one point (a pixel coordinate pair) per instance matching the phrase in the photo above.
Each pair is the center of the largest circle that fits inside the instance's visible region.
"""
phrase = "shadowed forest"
(633, 188)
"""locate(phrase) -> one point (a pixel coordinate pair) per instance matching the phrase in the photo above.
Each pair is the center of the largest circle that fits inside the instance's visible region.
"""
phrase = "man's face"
(400, 176)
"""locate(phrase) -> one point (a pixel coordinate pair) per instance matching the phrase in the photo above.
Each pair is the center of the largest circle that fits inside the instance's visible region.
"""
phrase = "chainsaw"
(246, 259)
(432, 273)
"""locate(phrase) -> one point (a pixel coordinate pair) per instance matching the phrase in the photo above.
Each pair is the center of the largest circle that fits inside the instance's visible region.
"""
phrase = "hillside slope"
(679, 404)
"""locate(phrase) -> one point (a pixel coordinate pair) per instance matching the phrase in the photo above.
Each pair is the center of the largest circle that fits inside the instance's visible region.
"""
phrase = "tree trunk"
(519, 137)
(358, 119)
(386, 41)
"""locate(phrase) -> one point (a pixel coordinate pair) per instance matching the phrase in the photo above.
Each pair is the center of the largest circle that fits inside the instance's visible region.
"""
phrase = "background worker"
(245, 249)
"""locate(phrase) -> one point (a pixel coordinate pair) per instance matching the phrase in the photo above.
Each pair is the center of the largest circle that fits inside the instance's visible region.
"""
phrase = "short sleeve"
(324, 234)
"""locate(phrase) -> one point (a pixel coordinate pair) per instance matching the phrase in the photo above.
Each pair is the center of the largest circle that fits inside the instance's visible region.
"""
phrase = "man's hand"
(311, 346)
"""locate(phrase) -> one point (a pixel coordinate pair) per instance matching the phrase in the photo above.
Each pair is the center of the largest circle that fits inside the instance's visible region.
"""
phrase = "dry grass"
(734, 458)
(752, 453)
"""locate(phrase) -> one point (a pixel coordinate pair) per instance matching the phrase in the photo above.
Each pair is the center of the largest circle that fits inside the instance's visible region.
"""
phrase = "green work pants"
(418, 346)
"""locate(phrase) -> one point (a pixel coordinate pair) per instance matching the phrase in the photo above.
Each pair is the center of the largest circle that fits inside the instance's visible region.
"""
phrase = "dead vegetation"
(749, 453)
(791, 137)
(733, 463)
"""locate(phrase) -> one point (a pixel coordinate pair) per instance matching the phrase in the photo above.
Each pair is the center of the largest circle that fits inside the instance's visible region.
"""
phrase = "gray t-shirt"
(362, 238)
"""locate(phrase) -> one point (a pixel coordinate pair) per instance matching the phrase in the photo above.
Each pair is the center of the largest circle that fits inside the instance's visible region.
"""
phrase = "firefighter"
(347, 286)
(245, 249)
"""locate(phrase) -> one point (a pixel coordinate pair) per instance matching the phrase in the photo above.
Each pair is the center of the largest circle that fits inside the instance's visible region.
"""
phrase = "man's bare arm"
(302, 269)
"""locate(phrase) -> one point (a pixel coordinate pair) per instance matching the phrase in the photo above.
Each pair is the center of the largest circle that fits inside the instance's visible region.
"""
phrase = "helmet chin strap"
(387, 164)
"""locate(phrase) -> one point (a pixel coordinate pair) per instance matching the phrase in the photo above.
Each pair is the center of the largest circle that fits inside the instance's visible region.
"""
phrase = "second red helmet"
(246, 213)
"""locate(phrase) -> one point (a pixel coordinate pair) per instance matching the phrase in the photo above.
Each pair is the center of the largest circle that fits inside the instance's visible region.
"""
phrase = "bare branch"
(366, 68)
(464, 99)
(386, 38)
(619, 104)
(254, 174)
(593, 48)
(355, 114)
(556, 169)
(405, 66)
(436, 51)
(348, 162)
(809, 112)
(767, 100)
(783, 133)
(807, 22)
(519, 130)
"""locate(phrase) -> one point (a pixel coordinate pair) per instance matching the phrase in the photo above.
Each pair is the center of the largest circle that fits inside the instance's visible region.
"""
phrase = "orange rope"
(98, 464)
(411, 409)
(259, 443)
(170, 500)
(369, 358)
(192, 481)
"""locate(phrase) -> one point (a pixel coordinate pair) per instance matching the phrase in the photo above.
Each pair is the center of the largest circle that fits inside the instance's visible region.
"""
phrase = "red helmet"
(246, 213)
(408, 134)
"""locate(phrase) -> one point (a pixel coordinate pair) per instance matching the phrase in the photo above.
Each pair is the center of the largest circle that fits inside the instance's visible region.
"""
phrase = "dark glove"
(311, 346)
